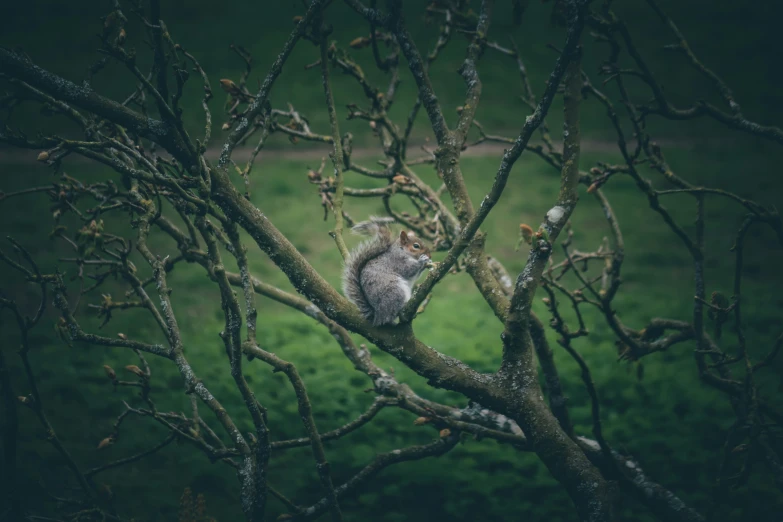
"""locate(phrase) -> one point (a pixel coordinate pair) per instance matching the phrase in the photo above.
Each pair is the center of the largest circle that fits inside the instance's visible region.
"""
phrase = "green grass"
(668, 420)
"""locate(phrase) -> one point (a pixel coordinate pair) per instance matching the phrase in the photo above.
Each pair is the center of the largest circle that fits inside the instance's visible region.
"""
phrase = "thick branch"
(509, 158)
(469, 72)
(19, 67)
(519, 313)
(417, 68)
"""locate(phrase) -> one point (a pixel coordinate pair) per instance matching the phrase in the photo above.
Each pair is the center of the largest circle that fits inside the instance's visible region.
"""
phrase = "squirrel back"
(380, 272)
(379, 243)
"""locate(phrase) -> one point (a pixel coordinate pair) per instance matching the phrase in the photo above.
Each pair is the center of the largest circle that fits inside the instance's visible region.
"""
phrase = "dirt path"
(315, 151)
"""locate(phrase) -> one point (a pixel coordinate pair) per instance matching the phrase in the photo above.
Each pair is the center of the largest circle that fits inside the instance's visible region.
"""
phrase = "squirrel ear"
(403, 236)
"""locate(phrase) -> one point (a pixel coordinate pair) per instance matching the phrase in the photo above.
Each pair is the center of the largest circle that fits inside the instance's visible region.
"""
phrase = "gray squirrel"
(379, 274)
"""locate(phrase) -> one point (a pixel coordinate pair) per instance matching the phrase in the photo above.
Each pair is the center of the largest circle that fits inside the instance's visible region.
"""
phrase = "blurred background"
(655, 410)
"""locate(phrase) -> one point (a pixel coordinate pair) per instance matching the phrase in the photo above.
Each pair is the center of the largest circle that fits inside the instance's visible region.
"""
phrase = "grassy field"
(667, 419)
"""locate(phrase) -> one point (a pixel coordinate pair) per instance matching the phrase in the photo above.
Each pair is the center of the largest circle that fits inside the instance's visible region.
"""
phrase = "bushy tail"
(375, 226)
(379, 243)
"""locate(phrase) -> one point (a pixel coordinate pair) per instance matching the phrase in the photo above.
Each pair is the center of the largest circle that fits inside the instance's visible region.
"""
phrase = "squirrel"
(379, 274)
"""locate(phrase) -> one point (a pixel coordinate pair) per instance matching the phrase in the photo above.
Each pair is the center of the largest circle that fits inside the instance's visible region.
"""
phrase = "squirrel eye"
(416, 245)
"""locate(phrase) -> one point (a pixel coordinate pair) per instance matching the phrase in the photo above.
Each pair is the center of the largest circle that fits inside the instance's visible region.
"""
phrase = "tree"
(197, 203)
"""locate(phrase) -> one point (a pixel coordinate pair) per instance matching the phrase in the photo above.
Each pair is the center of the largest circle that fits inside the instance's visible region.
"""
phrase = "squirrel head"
(413, 245)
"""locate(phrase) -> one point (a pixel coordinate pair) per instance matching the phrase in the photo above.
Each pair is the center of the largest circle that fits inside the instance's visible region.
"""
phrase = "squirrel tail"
(368, 250)
(374, 226)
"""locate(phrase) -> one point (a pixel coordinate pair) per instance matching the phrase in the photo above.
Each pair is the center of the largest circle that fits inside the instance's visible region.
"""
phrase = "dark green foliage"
(733, 39)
